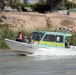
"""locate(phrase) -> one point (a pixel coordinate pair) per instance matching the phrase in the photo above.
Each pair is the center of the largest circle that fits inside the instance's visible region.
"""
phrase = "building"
(74, 1)
(18, 1)
(21, 1)
(28, 1)
(69, 0)
(32, 1)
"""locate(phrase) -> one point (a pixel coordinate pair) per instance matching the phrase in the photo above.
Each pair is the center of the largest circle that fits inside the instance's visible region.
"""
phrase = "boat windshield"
(36, 36)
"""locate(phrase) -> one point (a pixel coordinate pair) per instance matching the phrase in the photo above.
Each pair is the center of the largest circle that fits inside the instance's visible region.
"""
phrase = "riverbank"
(34, 20)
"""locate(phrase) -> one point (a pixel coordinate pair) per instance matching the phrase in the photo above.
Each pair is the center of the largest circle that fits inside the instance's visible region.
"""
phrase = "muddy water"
(13, 64)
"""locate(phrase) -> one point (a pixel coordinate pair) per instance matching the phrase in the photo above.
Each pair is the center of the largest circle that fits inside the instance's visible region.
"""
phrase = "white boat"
(49, 43)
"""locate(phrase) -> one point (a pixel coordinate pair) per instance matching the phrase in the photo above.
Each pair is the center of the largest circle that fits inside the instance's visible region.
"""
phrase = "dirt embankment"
(32, 20)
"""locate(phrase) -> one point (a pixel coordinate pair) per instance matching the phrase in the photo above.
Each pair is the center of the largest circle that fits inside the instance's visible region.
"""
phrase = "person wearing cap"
(25, 39)
(31, 40)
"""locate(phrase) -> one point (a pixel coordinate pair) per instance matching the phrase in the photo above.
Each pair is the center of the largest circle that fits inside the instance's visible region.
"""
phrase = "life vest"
(20, 37)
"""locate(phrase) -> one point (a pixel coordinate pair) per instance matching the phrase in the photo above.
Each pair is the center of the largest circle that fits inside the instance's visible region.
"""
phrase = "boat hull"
(34, 49)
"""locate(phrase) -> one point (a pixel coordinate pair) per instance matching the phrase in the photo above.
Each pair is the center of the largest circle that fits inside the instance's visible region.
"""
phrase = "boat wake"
(54, 52)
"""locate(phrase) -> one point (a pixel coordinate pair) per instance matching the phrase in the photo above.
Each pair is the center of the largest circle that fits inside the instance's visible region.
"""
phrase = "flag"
(72, 30)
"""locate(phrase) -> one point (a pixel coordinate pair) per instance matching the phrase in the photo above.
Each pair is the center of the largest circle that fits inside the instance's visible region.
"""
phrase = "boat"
(45, 43)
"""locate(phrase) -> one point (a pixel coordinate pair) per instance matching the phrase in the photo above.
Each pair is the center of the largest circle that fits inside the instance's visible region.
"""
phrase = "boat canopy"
(59, 33)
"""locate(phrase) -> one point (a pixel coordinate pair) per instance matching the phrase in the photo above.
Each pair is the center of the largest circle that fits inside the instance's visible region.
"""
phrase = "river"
(13, 64)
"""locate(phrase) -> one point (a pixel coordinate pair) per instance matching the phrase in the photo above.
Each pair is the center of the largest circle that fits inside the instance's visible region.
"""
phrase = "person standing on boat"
(19, 37)
(67, 45)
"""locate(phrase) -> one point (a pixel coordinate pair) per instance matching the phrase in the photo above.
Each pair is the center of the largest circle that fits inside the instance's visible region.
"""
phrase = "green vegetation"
(72, 39)
(41, 7)
(22, 5)
(5, 32)
(70, 5)
(49, 5)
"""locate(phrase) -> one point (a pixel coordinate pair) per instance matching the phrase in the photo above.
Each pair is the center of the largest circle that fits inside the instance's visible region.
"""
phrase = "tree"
(53, 3)
(57, 4)
(2, 4)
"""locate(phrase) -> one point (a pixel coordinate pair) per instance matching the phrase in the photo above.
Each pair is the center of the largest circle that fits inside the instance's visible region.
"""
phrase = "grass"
(6, 32)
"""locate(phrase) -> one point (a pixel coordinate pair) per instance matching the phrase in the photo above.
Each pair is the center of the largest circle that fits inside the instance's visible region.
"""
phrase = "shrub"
(40, 7)
(6, 32)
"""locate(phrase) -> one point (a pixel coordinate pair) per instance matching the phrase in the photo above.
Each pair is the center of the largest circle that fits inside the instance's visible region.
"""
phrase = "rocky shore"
(34, 20)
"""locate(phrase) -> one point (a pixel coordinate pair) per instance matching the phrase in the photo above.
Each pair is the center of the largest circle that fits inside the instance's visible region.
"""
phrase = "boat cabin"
(50, 39)
(54, 39)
